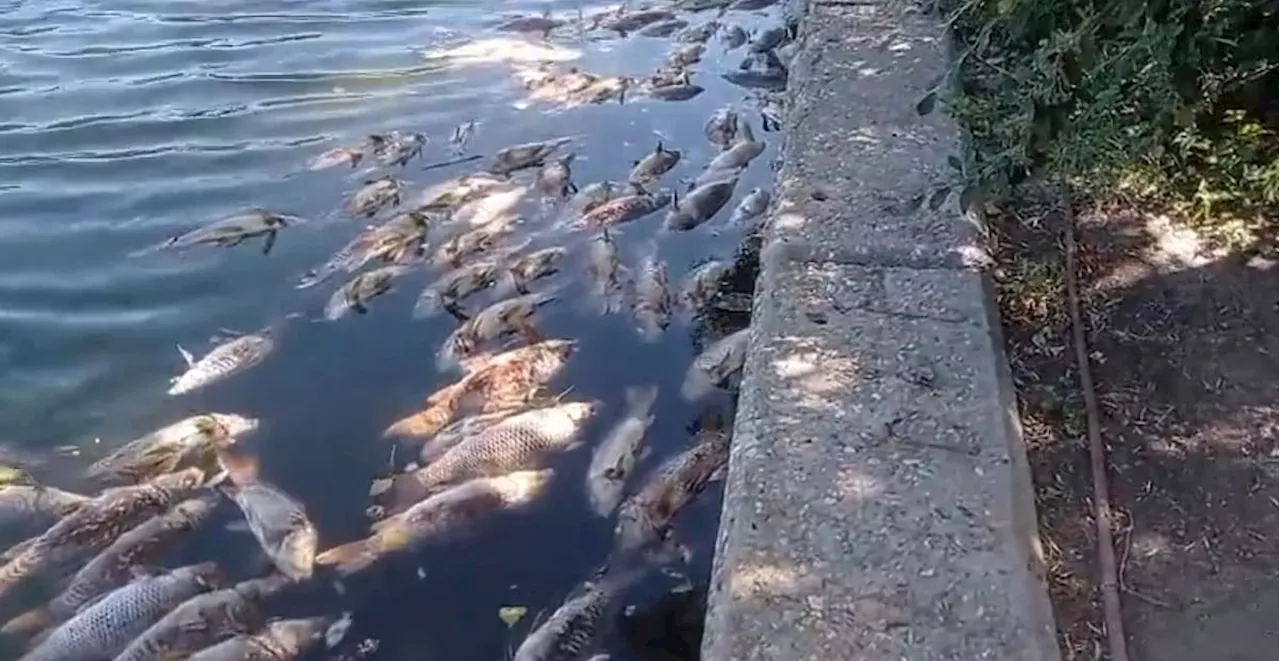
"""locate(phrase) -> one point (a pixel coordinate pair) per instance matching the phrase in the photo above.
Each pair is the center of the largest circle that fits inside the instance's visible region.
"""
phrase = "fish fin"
(187, 357)
(269, 243)
(241, 469)
(29, 623)
(350, 557)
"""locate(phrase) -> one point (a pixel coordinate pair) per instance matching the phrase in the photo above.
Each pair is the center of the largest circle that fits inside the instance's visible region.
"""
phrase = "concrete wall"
(878, 504)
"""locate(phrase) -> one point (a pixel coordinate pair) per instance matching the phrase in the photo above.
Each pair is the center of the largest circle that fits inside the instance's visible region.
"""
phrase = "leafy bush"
(1172, 102)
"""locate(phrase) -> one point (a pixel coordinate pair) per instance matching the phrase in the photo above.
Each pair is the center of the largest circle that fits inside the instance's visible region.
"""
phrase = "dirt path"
(1184, 355)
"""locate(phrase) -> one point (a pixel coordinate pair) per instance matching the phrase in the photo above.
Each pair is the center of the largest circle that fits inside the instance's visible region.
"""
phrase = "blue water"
(125, 122)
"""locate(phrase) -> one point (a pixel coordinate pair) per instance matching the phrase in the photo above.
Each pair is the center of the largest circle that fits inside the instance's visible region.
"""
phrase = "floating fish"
(663, 28)
(461, 135)
(607, 277)
(281, 640)
(715, 364)
(760, 70)
(98, 522)
(722, 128)
(654, 301)
(624, 209)
(362, 289)
(205, 619)
(456, 285)
(374, 195)
(700, 33)
(455, 192)
(440, 516)
(513, 315)
(236, 229)
(654, 165)
(534, 266)
(140, 547)
(752, 5)
(772, 113)
(163, 450)
(543, 24)
(337, 156)
(27, 507)
(591, 196)
(520, 442)
(617, 455)
(685, 56)
(459, 431)
(223, 361)
(555, 179)
(104, 628)
(624, 22)
(681, 89)
(527, 155)
(474, 241)
(767, 40)
(398, 240)
(752, 206)
(700, 205)
(400, 149)
(702, 284)
(277, 520)
(744, 149)
(733, 37)
(575, 628)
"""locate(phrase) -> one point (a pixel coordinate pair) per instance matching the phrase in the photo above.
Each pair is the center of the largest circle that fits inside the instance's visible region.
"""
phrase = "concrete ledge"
(878, 504)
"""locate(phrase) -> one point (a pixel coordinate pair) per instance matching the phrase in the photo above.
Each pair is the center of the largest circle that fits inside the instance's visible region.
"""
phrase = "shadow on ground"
(1183, 350)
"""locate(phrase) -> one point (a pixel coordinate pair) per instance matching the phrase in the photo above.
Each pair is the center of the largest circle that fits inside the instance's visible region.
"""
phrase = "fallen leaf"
(511, 614)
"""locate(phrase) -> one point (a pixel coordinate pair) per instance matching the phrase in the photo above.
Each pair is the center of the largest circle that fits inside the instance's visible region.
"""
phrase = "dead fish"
(605, 272)
(702, 284)
(204, 620)
(752, 5)
(654, 165)
(165, 449)
(620, 451)
(520, 442)
(438, 517)
(281, 640)
(235, 229)
(28, 507)
(700, 205)
(624, 209)
(223, 361)
(362, 289)
(398, 240)
(140, 547)
(681, 90)
(752, 206)
(760, 70)
(769, 39)
(400, 149)
(555, 179)
(97, 523)
(456, 285)
(699, 33)
(604, 89)
(744, 149)
(457, 432)
(733, 37)
(652, 310)
(685, 56)
(527, 155)
(575, 628)
(458, 191)
(277, 520)
(772, 112)
(534, 266)
(591, 196)
(478, 240)
(624, 22)
(490, 209)
(104, 628)
(337, 156)
(715, 364)
(544, 24)
(374, 195)
(663, 28)
(722, 128)
(645, 518)
(461, 135)
(513, 315)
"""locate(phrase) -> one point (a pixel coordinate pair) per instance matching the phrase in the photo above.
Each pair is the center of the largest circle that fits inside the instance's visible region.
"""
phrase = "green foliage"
(1171, 102)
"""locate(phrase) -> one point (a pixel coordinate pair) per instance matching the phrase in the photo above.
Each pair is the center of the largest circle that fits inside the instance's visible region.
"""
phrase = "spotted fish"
(715, 364)
(703, 284)
(607, 277)
(575, 628)
(654, 302)
(617, 455)
(225, 360)
(24, 507)
(281, 640)
(276, 519)
(623, 209)
(163, 450)
(654, 165)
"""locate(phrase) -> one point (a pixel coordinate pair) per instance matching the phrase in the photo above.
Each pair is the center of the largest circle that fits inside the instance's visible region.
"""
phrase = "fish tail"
(697, 383)
(241, 469)
(20, 567)
(349, 558)
(640, 401)
(28, 624)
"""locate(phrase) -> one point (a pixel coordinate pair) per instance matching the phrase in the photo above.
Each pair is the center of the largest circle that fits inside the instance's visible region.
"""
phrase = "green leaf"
(926, 104)
(954, 162)
(939, 197)
(511, 614)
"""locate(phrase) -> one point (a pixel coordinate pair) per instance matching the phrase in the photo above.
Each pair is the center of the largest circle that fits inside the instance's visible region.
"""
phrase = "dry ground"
(1183, 348)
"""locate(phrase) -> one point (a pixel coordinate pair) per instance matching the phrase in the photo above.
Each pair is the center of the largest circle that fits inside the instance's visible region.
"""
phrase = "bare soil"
(1183, 352)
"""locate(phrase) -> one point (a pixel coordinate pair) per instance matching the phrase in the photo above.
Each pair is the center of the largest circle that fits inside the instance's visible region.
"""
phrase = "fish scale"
(22, 505)
(104, 628)
(574, 628)
(282, 640)
(223, 361)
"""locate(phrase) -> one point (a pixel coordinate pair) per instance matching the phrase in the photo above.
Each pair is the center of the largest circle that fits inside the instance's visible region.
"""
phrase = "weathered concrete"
(878, 504)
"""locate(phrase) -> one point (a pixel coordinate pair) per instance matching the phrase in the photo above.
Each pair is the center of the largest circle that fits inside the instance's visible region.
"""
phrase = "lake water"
(123, 123)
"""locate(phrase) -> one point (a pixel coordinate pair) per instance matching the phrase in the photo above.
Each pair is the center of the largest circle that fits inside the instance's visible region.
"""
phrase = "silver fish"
(772, 113)
(279, 522)
(699, 33)
(663, 28)
(450, 436)
(624, 21)
(715, 364)
(521, 442)
(24, 507)
(104, 628)
(617, 455)
(743, 150)
(653, 305)
(702, 284)
(544, 24)
(535, 265)
(360, 290)
(139, 547)
(458, 191)
(235, 229)
(750, 208)
(555, 179)
(401, 149)
(722, 128)
(205, 619)
(461, 135)
(682, 89)
(624, 209)
(337, 156)
(607, 276)
(733, 37)
(513, 315)
(591, 196)
(163, 450)
(700, 205)
(574, 629)
(471, 242)
(397, 240)
(685, 56)
(281, 640)
(225, 360)
(526, 155)
(437, 517)
(654, 165)
(769, 39)
(456, 285)
(374, 195)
